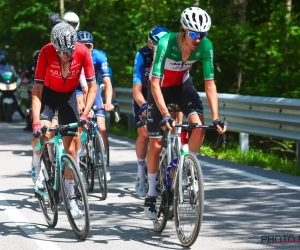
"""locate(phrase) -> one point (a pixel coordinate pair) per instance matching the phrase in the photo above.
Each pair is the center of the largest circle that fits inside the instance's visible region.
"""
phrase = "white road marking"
(39, 237)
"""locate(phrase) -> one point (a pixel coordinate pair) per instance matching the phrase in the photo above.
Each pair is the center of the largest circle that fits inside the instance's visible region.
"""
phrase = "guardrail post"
(298, 153)
(244, 142)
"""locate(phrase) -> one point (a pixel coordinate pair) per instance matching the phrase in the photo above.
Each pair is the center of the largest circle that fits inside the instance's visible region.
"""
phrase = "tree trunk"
(238, 8)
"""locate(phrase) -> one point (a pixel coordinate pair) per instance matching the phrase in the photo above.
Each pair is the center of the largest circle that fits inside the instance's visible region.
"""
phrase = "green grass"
(232, 153)
(253, 158)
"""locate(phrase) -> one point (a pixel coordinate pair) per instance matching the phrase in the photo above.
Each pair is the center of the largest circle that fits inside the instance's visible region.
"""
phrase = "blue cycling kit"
(141, 71)
(101, 70)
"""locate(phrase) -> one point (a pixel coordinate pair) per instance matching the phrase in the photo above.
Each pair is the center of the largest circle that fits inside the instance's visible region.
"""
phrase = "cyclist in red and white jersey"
(56, 78)
(171, 83)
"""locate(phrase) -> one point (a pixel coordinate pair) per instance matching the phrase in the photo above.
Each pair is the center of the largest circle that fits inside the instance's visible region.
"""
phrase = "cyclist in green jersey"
(171, 83)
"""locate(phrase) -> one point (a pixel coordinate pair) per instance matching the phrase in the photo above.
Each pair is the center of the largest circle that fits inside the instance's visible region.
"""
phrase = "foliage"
(257, 40)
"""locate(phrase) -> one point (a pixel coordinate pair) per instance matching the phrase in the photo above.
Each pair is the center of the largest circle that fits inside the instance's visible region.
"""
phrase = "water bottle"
(171, 170)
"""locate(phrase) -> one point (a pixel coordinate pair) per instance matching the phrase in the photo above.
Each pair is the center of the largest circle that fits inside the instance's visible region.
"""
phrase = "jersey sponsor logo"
(71, 73)
(197, 54)
(180, 65)
(211, 58)
(173, 54)
(160, 59)
(153, 133)
(104, 65)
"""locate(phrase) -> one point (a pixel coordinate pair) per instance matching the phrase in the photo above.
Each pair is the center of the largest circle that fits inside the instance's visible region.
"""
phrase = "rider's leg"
(36, 158)
(68, 114)
(197, 136)
(141, 148)
(191, 105)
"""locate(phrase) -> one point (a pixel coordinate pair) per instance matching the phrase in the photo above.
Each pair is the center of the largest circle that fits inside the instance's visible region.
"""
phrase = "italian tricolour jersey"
(168, 65)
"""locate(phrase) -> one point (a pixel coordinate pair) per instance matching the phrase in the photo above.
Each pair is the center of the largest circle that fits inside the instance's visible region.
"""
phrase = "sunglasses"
(63, 52)
(73, 24)
(88, 45)
(196, 35)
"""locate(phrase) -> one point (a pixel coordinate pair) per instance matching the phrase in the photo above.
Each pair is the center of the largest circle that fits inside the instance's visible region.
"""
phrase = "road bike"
(180, 182)
(55, 173)
(95, 159)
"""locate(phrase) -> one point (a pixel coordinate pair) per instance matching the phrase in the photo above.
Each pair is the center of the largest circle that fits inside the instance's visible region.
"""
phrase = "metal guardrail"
(264, 116)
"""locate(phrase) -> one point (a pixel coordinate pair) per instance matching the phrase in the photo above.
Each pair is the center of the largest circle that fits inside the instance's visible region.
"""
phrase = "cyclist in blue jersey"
(101, 67)
(141, 71)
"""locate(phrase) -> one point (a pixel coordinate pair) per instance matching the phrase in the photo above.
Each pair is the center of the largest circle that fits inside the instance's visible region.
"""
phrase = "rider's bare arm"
(108, 89)
(91, 95)
(36, 102)
(158, 96)
(137, 94)
(212, 98)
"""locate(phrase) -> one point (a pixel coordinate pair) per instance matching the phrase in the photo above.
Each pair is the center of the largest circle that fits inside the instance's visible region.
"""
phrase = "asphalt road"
(245, 207)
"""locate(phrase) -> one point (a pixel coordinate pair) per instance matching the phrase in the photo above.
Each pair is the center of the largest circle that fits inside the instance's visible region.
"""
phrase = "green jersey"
(168, 65)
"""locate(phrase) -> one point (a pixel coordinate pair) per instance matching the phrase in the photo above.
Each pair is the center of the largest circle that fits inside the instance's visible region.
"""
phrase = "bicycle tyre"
(89, 171)
(100, 161)
(107, 153)
(51, 220)
(162, 202)
(81, 197)
(189, 240)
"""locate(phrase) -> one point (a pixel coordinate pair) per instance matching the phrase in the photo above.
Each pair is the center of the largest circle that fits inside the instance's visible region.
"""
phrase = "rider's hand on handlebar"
(167, 123)
(91, 114)
(83, 120)
(108, 107)
(36, 129)
(220, 126)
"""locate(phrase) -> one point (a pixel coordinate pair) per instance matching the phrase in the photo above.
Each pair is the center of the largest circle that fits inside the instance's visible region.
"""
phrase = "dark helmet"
(35, 56)
(84, 36)
(157, 33)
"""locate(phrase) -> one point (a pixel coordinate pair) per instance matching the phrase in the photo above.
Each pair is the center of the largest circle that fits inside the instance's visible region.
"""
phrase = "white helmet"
(73, 19)
(195, 19)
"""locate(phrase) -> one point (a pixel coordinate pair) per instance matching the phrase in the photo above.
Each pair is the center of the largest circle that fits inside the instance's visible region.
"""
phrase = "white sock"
(70, 187)
(141, 167)
(36, 160)
(194, 153)
(77, 157)
(152, 184)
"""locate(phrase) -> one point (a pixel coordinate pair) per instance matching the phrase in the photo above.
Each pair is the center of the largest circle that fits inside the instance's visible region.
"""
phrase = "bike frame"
(59, 152)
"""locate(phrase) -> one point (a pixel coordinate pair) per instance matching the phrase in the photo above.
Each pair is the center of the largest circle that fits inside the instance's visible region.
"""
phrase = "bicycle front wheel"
(101, 164)
(162, 202)
(188, 213)
(75, 197)
(47, 202)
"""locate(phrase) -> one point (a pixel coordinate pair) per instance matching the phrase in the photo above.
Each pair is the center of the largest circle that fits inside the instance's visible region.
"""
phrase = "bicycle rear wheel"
(47, 202)
(101, 164)
(80, 226)
(162, 201)
(188, 214)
